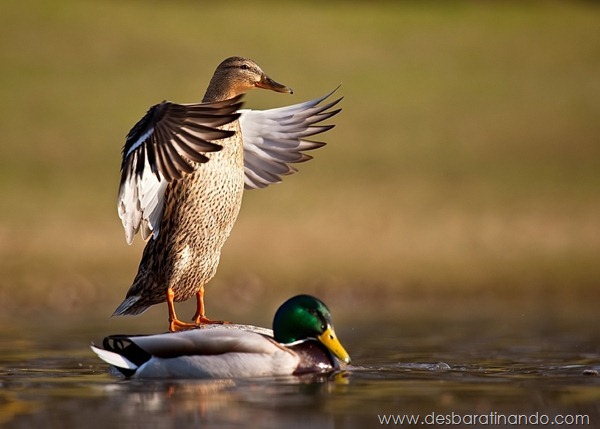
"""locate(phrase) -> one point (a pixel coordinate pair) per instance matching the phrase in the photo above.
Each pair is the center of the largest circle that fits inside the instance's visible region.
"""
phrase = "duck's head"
(235, 76)
(306, 317)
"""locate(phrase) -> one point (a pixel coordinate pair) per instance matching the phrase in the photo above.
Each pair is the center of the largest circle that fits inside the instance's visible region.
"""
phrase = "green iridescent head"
(303, 317)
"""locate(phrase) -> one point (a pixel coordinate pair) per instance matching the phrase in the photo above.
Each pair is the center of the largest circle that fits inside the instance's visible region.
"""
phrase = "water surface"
(428, 366)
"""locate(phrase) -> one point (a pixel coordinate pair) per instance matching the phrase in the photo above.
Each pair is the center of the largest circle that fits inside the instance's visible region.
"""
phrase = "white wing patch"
(141, 203)
(275, 138)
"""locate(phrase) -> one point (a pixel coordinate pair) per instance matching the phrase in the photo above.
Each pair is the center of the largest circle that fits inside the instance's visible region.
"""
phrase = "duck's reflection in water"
(274, 402)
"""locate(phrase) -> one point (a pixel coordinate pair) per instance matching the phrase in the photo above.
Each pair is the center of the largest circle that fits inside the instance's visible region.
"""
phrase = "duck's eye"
(245, 67)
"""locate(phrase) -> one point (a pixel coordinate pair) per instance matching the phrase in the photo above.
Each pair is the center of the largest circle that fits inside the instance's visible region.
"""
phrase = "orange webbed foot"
(202, 320)
(177, 325)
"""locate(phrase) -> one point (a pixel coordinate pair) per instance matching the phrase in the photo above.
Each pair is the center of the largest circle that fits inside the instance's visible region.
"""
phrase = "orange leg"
(200, 318)
(174, 323)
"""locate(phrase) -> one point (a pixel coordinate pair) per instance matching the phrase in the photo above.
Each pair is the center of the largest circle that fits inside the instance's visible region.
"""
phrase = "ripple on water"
(41, 384)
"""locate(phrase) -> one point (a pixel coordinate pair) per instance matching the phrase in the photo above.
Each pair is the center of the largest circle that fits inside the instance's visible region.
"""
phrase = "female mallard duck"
(304, 340)
(185, 191)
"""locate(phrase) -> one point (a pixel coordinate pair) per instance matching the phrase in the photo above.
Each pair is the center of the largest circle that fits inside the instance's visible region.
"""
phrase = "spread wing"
(276, 138)
(162, 147)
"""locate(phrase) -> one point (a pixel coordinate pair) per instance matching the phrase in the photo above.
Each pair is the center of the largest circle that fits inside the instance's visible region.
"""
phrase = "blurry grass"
(466, 159)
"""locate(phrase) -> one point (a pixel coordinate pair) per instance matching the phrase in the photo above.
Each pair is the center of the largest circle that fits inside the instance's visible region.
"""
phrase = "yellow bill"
(329, 339)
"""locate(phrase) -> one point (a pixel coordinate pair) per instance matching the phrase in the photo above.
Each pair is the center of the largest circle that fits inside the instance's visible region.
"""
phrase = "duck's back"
(219, 352)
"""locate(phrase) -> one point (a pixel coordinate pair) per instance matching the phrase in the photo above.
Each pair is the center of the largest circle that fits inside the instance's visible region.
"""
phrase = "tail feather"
(114, 359)
(131, 306)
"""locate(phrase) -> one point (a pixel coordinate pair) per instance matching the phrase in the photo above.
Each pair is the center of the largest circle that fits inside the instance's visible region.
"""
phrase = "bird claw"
(177, 325)
(202, 320)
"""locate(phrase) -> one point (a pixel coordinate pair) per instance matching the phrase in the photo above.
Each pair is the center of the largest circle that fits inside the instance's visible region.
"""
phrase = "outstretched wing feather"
(167, 144)
(275, 138)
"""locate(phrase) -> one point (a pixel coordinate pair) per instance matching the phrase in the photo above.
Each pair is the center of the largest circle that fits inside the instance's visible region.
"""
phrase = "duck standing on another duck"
(303, 341)
(183, 191)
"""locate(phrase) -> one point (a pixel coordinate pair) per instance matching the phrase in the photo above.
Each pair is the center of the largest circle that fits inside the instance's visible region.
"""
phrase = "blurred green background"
(465, 166)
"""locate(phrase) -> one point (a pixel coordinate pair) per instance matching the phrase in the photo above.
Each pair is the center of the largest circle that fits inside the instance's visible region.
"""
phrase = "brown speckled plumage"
(200, 211)
(201, 201)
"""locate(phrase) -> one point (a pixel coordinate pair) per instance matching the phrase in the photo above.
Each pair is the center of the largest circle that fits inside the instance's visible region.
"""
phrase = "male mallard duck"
(185, 191)
(303, 341)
